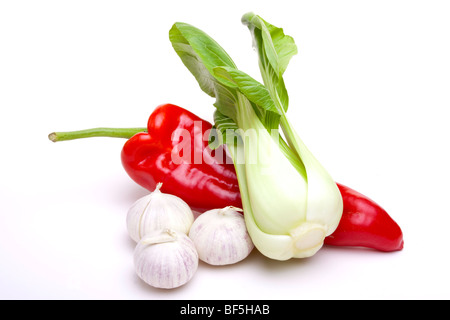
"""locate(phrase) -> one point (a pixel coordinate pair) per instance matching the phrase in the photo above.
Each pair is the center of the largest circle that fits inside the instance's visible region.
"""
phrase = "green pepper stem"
(95, 132)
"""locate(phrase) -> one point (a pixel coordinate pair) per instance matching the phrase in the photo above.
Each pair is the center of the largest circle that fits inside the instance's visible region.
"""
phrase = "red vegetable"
(364, 223)
(202, 180)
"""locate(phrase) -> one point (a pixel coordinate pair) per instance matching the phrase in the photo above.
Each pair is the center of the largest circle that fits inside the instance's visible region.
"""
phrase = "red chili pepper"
(366, 224)
(202, 180)
(206, 179)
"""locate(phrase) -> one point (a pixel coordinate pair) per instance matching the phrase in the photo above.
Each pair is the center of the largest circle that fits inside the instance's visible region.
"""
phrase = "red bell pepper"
(202, 179)
(208, 181)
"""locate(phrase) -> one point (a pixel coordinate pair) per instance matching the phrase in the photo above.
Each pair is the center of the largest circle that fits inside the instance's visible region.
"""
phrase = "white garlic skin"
(221, 237)
(158, 211)
(165, 259)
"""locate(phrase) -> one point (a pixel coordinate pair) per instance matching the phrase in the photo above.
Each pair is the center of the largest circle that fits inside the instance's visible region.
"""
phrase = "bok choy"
(290, 202)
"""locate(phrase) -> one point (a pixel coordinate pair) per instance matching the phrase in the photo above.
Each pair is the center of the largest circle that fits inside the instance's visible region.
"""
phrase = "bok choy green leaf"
(290, 202)
(275, 49)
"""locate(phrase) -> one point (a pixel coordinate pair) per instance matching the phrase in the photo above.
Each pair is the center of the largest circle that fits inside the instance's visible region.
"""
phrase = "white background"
(369, 95)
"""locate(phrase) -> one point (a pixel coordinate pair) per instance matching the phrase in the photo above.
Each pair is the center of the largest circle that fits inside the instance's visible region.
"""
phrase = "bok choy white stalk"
(290, 202)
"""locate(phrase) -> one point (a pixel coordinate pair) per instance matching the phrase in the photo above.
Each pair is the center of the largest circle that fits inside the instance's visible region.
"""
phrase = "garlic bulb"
(165, 259)
(221, 237)
(158, 211)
